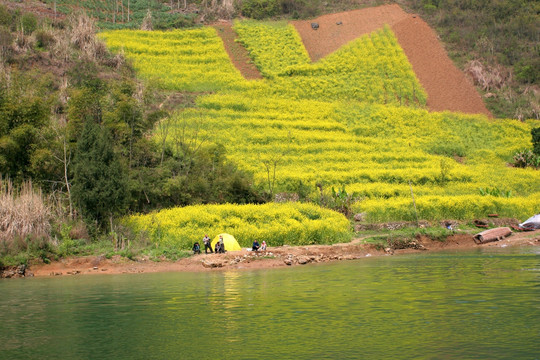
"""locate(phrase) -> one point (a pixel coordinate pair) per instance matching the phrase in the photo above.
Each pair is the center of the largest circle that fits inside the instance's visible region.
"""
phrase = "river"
(482, 304)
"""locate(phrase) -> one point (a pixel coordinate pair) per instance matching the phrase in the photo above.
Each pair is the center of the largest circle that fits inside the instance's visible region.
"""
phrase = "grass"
(385, 237)
(103, 247)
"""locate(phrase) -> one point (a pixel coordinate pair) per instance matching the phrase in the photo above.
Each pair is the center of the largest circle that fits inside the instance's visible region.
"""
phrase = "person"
(217, 249)
(207, 244)
(255, 246)
(263, 246)
(196, 248)
(222, 244)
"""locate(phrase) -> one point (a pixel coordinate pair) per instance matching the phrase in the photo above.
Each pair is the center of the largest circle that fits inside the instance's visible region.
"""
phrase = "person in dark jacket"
(207, 244)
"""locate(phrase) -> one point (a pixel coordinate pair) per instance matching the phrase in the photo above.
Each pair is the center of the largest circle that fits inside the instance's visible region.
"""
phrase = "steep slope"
(447, 87)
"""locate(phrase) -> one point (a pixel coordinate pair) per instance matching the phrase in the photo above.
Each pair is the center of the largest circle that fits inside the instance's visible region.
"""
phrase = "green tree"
(99, 179)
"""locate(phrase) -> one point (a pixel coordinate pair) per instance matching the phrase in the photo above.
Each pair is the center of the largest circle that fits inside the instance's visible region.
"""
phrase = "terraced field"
(355, 119)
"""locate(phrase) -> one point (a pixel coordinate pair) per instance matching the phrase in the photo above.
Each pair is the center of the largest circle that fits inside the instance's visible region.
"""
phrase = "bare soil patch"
(275, 257)
(447, 87)
(237, 53)
(336, 30)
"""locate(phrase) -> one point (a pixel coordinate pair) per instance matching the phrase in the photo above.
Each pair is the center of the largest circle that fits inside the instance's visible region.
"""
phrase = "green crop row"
(192, 60)
(298, 128)
(372, 68)
(121, 14)
(377, 151)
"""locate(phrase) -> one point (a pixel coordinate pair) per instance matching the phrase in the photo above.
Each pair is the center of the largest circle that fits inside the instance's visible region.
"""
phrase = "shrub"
(24, 215)
(6, 39)
(526, 158)
(29, 23)
(5, 16)
(260, 9)
(536, 140)
(44, 39)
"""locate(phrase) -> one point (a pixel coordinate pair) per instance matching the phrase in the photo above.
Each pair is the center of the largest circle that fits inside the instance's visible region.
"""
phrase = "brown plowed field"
(446, 86)
(330, 36)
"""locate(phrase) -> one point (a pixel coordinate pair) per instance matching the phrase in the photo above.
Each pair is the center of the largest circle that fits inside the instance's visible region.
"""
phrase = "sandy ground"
(273, 258)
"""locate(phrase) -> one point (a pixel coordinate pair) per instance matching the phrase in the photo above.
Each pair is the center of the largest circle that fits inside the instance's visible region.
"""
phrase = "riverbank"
(275, 257)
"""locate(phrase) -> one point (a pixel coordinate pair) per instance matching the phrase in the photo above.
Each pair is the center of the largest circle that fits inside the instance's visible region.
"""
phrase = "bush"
(5, 16)
(24, 215)
(536, 140)
(44, 39)
(260, 9)
(527, 70)
(6, 39)
(29, 23)
(526, 158)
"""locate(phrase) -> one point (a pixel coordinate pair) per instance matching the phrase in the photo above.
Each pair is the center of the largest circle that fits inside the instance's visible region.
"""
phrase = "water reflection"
(446, 305)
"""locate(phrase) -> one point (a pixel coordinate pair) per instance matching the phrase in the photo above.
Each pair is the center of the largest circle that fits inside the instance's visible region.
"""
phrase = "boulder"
(212, 263)
(359, 217)
(314, 25)
(303, 260)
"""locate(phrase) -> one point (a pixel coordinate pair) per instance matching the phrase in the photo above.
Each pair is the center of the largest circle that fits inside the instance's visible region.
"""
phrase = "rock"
(359, 217)
(7, 274)
(339, 23)
(21, 269)
(212, 264)
(314, 25)
(303, 260)
(287, 261)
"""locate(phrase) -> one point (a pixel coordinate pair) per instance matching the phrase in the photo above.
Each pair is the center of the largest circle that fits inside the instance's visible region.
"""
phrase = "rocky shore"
(282, 256)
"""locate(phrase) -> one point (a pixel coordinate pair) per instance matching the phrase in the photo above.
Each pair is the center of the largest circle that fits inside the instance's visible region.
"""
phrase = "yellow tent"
(230, 242)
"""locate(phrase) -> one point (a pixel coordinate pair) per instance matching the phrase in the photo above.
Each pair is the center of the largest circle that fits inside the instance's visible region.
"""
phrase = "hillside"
(342, 123)
(135, 121)
(491, 42)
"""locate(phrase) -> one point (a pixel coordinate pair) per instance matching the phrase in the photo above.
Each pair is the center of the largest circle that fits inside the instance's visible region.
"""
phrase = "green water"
(473, 305)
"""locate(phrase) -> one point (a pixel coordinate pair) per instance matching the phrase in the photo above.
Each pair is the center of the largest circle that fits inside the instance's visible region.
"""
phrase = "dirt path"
(274, 257)
(446, 86)
(237, 53)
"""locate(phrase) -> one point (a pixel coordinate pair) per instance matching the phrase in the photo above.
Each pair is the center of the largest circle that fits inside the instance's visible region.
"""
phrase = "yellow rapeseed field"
(354, 119)
(277, 224)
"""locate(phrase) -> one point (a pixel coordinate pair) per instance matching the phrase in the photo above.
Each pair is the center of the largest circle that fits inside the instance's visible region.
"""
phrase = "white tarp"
(533, 222)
